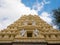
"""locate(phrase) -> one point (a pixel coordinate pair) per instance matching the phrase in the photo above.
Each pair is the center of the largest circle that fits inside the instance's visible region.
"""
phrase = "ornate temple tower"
(29, 30)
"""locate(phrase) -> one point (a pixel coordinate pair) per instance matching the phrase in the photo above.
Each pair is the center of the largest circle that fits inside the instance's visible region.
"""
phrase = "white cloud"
(55, 26)
(1, 27)
(12, 10)
(46, 17)
(39, 6)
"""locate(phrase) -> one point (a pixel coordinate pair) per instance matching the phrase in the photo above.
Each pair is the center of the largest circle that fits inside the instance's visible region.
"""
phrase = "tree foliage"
(56, 15)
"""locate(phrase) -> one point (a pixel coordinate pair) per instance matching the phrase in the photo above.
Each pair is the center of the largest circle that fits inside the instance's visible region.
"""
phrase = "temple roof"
(31, 25)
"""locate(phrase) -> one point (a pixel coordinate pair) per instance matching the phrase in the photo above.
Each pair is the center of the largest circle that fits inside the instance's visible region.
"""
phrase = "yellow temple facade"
(29, 30)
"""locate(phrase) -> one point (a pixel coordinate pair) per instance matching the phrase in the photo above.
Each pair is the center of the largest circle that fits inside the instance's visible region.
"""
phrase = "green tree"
(56, 15)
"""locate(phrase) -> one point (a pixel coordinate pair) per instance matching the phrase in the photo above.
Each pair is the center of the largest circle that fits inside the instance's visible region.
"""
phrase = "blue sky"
(11, 10)
(54, 4)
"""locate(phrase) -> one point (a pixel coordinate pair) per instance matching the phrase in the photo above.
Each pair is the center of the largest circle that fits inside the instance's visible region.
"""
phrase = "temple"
(29, 30)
